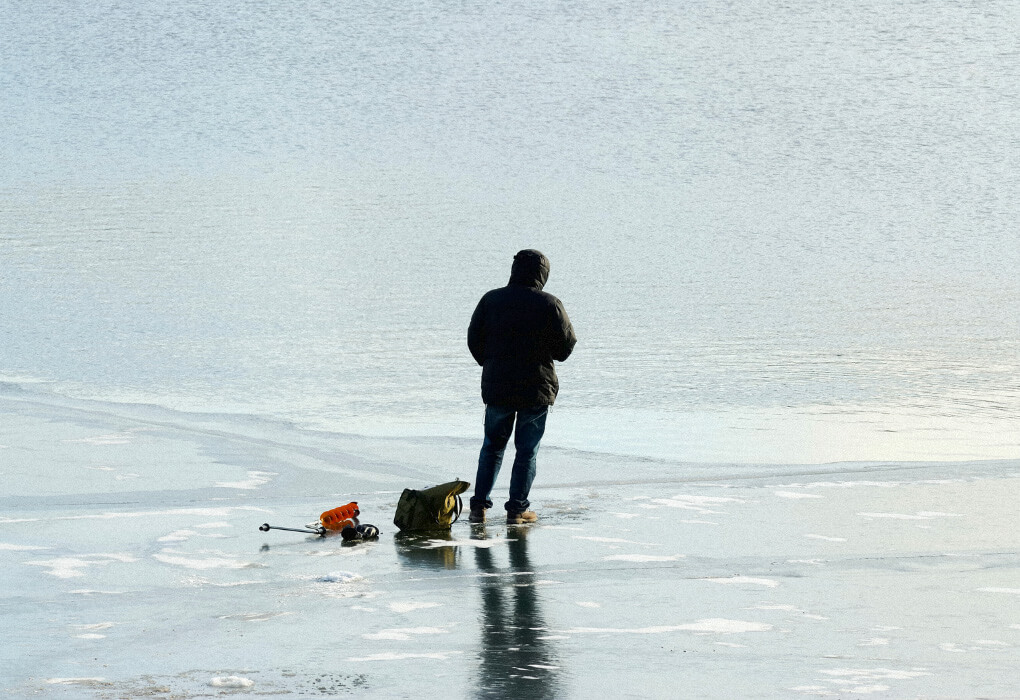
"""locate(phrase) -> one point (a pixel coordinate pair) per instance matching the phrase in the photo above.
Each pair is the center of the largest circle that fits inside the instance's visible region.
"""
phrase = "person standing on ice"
(516, 334)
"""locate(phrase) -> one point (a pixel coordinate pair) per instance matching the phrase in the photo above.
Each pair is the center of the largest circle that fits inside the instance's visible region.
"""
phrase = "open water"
(785, 232)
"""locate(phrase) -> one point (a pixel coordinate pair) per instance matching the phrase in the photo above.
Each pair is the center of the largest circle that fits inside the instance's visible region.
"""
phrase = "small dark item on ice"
(359, 532)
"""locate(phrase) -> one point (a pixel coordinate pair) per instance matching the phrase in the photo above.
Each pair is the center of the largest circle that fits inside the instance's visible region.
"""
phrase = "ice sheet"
(830, 580)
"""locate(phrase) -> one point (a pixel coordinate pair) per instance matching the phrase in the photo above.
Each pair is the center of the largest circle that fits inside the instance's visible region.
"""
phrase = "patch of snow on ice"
(794, 494)
(711, 626)
(231, 682)
(253, 617)
(862, 674)
(819, 690)
(1014, 591)
(768, 583)
(641, 557)
(90, 635)
(111, 439)
(788, 608)
(721, 626)
(979, 645)
(768, 606)
(72, 567)
(339, 577)
(392, 656)
(174, 558)
(589, 604)
(199, 581)
(335, 552)
(625, 516)
(255, 479)
(185, 535)
(920, 515)
(826, 538)
(20, 547)
(698, 504)
(856, 484)
(874, 642)
(412, 606)
(64, 567)
(78, 681)
(403, 634)
(178, 536)
(219, 512)
(481, 544)
(702, 500)
(608, 540)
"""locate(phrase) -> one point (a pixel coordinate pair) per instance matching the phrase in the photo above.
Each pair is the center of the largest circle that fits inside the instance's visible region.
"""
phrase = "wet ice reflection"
(516, 655)
(516, 658)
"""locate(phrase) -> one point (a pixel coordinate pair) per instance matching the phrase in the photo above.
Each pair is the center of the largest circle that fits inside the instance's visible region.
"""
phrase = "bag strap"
(458, 509)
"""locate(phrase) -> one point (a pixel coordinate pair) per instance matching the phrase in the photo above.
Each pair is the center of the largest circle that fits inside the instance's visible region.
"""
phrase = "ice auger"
(332, 520)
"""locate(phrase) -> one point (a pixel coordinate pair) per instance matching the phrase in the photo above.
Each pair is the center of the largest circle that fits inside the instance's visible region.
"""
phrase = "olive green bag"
(434, 508)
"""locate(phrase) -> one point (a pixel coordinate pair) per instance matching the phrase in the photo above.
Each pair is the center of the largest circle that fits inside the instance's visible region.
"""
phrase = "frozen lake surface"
(143, 573)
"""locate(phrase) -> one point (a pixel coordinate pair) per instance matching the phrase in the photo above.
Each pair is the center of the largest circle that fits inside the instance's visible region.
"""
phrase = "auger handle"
(266, 527)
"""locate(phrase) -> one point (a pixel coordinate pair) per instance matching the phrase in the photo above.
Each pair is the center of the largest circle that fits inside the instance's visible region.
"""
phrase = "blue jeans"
(499, 423)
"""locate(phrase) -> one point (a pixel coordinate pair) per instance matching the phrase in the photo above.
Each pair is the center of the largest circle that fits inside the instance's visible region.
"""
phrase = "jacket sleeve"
(476, 333)
(564, 339)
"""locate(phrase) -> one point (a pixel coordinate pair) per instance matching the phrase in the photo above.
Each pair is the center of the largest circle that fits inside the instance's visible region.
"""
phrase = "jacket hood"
(530, 269)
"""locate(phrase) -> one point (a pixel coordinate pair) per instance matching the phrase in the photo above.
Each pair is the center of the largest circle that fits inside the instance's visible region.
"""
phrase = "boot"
(477, 514)
(528, 516)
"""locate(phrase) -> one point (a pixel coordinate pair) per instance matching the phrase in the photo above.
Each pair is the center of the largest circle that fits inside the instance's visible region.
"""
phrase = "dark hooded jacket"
(516, 333)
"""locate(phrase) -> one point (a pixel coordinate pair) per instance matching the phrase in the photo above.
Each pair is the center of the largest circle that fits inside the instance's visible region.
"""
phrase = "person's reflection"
(516, 662)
